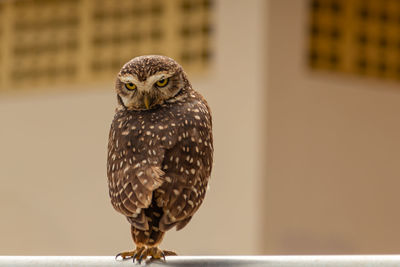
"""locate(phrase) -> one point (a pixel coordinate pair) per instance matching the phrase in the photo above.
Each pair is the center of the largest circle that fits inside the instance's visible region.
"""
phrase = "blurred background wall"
(54, 129)
(305, 123)
(332, 174)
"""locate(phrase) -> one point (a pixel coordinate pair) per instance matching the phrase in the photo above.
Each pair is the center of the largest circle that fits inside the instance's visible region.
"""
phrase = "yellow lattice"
(47, 42)
(356, 36)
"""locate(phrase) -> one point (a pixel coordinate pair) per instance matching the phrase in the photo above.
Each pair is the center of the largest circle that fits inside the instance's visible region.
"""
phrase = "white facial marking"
(146, 85)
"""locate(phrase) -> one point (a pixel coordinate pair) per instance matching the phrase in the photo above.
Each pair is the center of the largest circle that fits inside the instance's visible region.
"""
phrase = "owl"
(160, 152)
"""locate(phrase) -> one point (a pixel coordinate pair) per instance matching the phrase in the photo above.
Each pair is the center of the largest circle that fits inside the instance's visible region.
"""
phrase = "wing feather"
(133, 175)
(189, 177)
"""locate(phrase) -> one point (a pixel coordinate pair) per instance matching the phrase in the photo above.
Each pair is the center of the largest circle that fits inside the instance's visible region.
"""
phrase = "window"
(49, 42)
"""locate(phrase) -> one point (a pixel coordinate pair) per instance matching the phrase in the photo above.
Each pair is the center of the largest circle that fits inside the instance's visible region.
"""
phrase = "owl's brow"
(158, 76)
(128, 78)
(150, 80)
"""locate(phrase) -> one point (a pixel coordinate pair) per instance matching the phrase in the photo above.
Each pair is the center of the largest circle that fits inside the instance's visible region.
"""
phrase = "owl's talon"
(163, 255)
(140, 259)
(124, 255)
(137, 253)
(135, 256)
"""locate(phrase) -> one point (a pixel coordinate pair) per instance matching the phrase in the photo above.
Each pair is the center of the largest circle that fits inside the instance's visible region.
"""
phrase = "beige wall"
(53, 193)
(333, 151)
(329, 184)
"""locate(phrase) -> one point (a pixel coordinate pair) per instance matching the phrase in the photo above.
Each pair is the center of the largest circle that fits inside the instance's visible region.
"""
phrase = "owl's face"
(148, 81)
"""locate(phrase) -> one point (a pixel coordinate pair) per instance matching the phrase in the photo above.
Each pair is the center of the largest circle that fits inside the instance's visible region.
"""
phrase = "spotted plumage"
(160, 151)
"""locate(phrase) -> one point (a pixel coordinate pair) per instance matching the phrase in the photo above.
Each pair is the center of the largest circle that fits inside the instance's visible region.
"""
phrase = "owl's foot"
(125, 255)
(141, 253)
(154, 253)
(130, 254)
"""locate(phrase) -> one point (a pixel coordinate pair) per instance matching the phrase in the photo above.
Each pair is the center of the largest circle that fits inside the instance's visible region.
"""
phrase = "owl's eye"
(130, 86)
(162, 82)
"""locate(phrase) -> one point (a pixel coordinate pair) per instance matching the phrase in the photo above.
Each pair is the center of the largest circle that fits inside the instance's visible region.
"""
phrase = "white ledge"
(281, 261)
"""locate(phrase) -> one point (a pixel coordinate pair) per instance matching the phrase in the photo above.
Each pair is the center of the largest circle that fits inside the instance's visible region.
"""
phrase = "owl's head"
(148, 81)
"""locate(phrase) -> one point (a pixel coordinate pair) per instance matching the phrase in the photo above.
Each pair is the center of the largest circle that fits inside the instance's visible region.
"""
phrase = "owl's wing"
(187, 168)
(134, 172)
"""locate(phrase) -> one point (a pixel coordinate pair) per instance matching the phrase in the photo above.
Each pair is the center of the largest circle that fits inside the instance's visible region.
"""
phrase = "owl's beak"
(146, 101)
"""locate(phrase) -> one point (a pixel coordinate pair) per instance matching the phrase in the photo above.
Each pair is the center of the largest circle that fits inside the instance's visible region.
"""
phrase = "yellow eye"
(162, 82)
(130, 86)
